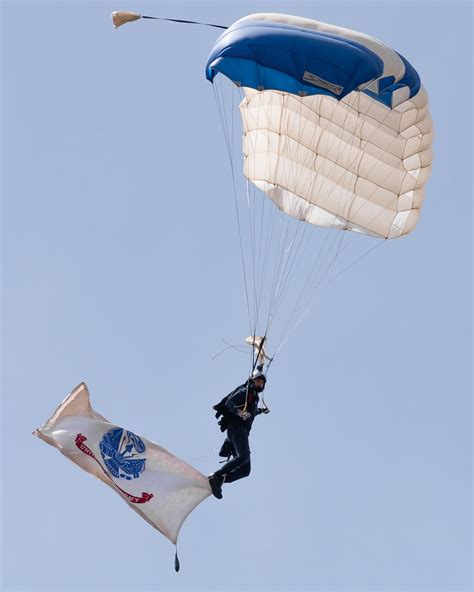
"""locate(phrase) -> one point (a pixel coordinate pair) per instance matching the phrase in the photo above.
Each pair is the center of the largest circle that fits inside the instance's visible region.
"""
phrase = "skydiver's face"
(259, 384)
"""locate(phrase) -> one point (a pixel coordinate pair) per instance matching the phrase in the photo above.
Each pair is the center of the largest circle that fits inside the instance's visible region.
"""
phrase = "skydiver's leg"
(238, 473)
(239, 438)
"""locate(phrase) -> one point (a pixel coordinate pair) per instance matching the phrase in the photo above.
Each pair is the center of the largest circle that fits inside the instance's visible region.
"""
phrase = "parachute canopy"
(337, 130)
(160, 487)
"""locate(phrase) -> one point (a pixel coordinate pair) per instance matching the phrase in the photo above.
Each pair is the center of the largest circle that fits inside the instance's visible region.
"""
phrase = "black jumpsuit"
(238, 430)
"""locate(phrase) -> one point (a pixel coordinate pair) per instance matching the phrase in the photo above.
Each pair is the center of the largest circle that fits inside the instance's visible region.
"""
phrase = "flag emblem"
(119, 449)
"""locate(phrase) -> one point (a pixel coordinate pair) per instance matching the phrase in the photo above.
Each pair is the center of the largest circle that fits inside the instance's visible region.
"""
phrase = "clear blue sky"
(121, 268)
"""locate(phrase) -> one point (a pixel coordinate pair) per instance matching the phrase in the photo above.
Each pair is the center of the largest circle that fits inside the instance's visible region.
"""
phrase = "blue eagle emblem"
(119, 449)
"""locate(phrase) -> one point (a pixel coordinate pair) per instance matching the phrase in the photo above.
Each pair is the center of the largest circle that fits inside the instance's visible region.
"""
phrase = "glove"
(243, 414)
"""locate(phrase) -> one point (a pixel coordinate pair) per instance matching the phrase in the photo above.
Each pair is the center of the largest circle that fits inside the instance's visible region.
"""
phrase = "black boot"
(216, 481)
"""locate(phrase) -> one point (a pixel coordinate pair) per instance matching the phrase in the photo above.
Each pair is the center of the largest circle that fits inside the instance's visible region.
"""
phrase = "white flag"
(162, 488)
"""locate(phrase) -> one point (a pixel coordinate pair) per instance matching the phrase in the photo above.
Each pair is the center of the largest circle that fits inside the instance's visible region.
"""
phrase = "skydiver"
(238, 410)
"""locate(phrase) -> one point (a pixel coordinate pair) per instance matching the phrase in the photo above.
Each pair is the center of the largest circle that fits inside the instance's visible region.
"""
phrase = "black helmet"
(258, 374)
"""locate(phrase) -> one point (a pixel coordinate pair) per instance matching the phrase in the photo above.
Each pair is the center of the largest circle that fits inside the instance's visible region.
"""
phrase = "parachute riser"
(258, 361)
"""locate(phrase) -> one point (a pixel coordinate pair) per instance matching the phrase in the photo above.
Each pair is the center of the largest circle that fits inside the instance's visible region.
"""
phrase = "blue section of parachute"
(387, 86)
(265, 55)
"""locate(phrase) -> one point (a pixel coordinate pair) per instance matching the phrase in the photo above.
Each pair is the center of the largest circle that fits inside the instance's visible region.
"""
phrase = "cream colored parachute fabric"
(160, 487)
(353, 164)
